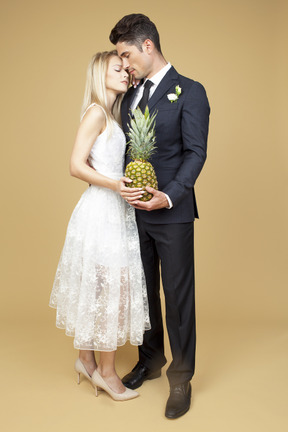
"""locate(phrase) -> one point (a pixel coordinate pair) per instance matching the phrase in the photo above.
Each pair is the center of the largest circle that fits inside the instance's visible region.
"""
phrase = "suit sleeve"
(194, 129)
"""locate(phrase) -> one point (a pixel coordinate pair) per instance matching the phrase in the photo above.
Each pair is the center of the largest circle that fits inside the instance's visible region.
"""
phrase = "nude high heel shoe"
(80, 368)
(99, 382)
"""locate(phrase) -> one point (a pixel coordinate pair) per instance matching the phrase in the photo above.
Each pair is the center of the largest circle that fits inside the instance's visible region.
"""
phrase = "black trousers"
(173, 245)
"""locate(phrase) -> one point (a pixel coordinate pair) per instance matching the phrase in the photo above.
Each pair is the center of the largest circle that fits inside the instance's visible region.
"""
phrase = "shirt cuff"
(169, 202)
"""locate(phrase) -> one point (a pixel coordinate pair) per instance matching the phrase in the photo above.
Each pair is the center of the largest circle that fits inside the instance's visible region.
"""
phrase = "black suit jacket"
(181, 140)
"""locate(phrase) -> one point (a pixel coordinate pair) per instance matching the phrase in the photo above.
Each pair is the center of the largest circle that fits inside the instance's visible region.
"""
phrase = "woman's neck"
(111, 98)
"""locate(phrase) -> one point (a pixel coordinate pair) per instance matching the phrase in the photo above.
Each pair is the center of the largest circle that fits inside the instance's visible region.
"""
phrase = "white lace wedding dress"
(99, 289)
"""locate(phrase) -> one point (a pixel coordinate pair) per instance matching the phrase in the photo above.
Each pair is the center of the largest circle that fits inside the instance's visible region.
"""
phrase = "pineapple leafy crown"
(142, 134)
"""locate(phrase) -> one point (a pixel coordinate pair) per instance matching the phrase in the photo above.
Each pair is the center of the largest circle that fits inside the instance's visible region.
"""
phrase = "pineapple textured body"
(142, 173)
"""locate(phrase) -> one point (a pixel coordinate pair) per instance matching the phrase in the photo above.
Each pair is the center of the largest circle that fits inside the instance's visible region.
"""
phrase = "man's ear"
(148, 46)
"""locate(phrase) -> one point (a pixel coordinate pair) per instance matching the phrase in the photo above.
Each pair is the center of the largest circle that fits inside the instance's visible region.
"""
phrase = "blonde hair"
(95, 88)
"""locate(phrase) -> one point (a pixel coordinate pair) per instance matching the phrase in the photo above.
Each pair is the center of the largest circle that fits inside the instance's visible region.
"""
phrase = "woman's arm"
(92, 125)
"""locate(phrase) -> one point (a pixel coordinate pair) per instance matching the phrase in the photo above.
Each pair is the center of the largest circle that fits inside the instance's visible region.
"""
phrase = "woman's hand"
(129, 194)
(135, 82)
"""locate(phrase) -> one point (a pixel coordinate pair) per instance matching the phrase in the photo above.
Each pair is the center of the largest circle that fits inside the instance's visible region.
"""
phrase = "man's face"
(136, 62)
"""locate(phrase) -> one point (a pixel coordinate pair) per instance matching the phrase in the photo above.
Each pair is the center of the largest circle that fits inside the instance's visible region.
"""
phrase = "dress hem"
(97, 349)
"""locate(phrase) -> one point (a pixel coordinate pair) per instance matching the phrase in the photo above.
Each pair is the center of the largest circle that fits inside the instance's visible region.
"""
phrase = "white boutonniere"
(173, 97)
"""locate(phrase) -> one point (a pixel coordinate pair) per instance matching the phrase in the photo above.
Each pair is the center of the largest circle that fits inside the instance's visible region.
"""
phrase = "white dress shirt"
(156, 79)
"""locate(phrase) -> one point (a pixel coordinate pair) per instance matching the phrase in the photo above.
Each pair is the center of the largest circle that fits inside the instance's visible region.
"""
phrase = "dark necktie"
(144, 100)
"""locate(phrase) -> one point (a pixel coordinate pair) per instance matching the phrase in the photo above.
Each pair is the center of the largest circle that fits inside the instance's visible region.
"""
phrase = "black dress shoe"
(139, 374)
(179, 400)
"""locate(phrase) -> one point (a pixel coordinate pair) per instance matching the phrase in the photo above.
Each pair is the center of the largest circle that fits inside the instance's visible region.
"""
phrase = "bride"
(99, 289)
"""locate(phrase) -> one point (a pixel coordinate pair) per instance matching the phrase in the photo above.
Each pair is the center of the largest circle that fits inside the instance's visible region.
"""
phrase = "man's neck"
(158, 63)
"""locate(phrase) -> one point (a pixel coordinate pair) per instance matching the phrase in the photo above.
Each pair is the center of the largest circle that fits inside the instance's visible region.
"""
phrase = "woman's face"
(117, 78)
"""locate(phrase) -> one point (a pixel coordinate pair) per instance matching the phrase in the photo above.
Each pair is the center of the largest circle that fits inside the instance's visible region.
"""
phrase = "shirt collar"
(159, 75)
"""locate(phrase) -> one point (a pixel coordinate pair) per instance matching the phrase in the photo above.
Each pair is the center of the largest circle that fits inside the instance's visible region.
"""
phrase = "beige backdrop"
(236, 49)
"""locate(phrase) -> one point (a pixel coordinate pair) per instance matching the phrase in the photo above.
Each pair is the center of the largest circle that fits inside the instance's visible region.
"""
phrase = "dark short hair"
(134, 29)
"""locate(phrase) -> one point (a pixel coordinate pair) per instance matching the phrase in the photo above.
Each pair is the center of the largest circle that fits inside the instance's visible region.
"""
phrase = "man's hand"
(158, 201)
(129, 194)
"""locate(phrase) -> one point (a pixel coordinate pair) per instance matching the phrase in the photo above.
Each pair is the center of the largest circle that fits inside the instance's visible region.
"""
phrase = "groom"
(165, 223)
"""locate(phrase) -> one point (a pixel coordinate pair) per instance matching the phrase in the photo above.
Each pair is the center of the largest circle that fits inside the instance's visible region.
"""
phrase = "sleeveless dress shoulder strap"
(94, 104)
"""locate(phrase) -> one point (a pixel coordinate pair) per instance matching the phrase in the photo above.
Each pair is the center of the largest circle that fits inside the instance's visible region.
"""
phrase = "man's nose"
(125, 63)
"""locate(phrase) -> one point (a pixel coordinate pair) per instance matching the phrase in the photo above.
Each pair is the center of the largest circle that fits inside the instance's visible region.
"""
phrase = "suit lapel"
(169, 79)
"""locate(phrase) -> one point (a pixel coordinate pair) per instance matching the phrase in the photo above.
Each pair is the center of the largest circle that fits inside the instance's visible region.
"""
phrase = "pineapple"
(141, 147)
